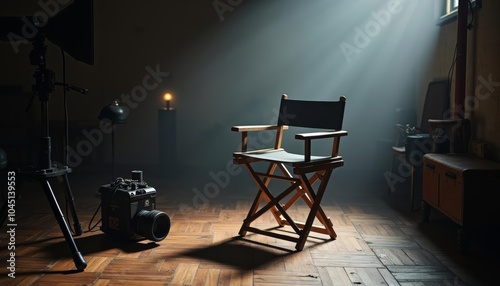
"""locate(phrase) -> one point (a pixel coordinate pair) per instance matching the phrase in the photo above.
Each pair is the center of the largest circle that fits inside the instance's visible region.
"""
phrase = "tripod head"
(44, 77)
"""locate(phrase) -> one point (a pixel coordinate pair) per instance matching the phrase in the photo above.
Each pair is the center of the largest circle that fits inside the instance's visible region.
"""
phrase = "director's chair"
(326, 118)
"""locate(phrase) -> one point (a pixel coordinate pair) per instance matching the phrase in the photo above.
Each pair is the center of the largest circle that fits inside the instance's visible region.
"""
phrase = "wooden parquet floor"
(377, 244)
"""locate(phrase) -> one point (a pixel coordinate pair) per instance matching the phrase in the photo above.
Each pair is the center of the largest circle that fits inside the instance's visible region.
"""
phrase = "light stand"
(114, 113)
(42, 88)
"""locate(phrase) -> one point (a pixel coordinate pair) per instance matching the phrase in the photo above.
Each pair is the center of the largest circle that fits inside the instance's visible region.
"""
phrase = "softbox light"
(72, 29)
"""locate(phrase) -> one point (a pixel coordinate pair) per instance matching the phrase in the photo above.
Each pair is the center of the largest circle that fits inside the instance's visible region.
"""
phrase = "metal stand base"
(43, 177)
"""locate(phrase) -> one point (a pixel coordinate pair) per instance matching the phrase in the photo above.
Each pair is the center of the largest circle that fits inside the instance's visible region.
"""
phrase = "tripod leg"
(71, 200)
(77, 256)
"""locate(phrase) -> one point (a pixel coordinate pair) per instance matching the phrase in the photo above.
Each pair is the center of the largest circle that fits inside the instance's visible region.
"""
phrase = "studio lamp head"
(72, 29)
(114, 113)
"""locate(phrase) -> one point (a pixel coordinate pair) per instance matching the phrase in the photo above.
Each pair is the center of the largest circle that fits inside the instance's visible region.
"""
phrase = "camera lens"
(153, 225)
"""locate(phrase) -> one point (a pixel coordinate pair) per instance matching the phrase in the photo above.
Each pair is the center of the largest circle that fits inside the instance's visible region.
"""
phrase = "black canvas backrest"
(436, 103)
(312, 114)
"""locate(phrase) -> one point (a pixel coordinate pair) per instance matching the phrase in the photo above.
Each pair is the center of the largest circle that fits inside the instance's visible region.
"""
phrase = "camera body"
(128, 210)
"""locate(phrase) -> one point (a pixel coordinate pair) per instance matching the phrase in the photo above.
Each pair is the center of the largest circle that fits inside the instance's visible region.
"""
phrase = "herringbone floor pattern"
(377, 244)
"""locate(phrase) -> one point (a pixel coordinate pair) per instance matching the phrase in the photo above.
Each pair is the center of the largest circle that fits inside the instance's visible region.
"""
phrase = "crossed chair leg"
(303, 186)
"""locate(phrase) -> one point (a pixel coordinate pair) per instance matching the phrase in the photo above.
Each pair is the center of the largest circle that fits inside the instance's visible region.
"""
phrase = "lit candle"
(167, 98)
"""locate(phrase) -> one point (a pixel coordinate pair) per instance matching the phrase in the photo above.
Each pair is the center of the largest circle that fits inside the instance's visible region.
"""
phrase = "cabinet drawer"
(451, 194)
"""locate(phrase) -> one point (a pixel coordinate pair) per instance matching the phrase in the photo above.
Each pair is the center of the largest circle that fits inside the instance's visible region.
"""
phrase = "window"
(449, 9)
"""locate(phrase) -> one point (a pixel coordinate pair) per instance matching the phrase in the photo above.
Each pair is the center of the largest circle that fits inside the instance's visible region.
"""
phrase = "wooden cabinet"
(463, 187)
(451, 195)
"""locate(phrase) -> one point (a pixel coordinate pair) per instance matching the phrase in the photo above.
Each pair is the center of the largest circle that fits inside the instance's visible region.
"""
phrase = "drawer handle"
(451, 175)
(430, 166)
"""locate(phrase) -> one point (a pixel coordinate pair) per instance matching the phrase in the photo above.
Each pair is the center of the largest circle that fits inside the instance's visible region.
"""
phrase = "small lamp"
(114, 113)
(167, 97)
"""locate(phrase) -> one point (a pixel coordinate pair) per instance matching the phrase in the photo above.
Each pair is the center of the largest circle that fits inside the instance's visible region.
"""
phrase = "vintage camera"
(128, 210)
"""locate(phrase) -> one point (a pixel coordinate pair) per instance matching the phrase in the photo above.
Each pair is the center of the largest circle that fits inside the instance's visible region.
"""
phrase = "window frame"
(448, 10)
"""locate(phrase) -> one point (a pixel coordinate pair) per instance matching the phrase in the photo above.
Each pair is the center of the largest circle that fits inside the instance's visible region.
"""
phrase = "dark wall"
(229, 62)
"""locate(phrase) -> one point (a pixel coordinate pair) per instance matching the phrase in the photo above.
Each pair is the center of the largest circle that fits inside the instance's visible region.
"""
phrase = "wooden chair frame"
(307, 170)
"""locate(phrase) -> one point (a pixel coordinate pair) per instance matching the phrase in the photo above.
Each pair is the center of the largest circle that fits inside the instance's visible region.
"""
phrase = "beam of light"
(236, 72)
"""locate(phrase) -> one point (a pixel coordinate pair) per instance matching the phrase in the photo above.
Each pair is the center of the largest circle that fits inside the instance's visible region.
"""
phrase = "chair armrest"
(320, 135)
(250, 128)
(244, 129)
(308, 137)
(444, 123)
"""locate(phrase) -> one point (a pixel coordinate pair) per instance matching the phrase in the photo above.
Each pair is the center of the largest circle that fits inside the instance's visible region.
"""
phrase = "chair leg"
(267, 180)
(303, 186)
(272, 203)
(251, 212)
(263, 195)
(314, 210)
(391, 188)
(321, 216)
(303, 191)
(300, 189)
